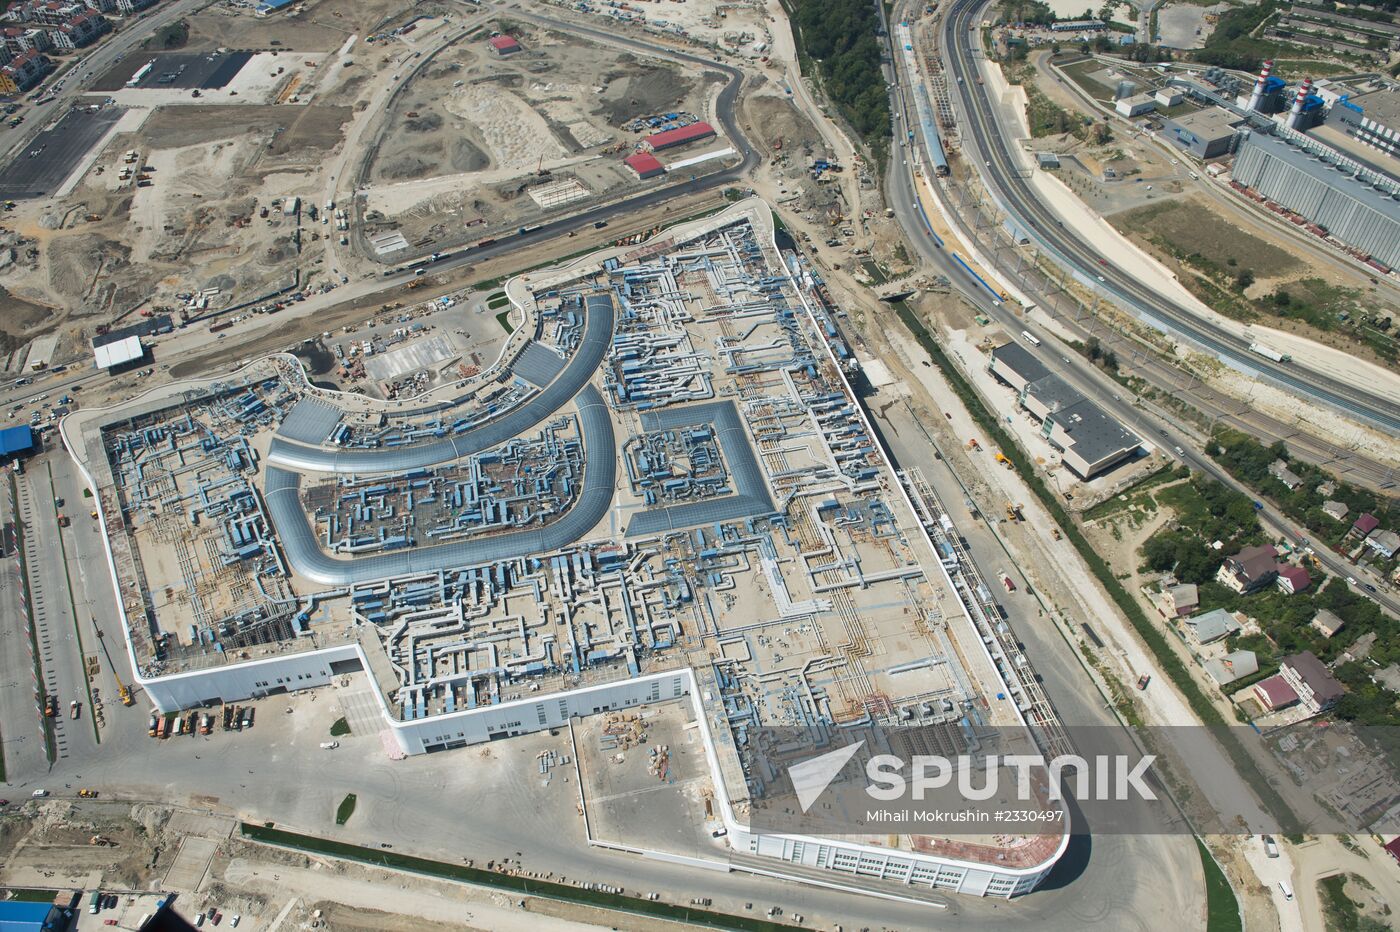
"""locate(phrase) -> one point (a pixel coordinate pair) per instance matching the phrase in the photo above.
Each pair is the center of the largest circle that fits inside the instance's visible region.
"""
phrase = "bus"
(1026, 335)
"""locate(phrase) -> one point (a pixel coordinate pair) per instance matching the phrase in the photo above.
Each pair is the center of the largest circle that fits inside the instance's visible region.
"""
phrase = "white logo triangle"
(811, 777)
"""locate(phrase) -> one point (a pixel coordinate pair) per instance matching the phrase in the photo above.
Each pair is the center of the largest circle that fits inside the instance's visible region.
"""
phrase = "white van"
(329, 745)
(1285, 889)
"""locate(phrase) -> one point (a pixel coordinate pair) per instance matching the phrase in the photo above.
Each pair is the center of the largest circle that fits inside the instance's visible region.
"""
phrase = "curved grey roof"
(597, 338)
(304, 553)
(311, 420)
(751, 497)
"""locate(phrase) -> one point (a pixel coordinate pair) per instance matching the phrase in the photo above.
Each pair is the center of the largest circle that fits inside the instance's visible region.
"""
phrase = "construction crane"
(123, 691)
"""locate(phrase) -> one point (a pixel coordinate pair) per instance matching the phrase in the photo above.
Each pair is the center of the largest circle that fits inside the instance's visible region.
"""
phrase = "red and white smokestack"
(1295, 113)
(1257, 97)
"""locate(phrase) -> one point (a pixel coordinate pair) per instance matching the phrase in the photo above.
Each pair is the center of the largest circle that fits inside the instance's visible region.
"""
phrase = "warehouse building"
(1206, 134)
(117, 349)
(679, 137)
(1136, 105)
(1360, 208)
(16, 442)
(21, 916)
(1090, 441)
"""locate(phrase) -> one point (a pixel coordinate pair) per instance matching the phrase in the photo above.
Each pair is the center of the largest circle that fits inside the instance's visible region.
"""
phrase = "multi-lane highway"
(1005, 178)
(1093, 382)
(1168, 378)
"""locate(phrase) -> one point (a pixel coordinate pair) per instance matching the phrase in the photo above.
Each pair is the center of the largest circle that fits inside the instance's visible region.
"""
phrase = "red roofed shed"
(644, 164)
(504, 45)
(679, 137)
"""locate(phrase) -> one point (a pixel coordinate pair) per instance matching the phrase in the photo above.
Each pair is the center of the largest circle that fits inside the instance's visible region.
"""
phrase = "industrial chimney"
(1257, 97)
(1295, 113)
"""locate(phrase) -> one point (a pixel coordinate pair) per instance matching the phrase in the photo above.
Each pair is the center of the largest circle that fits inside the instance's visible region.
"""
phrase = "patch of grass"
(171, 37)
(503, 319)
(1205, 240)
(346, 809)
(1046, 118)
(1222, 909)
(1340, 912)
(340, 729)
(515, 883)
(25, 895)
(1139, 494)
(1079, 73)
(1325, 306)
(497, 303)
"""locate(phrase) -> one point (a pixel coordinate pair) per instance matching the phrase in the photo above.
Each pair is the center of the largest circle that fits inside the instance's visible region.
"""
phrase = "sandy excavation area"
(191, 197)
(478, 143)
(740, 27)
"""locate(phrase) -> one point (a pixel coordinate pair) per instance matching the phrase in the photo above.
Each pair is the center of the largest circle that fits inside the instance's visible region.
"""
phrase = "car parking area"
(42, 166)
(182, 70)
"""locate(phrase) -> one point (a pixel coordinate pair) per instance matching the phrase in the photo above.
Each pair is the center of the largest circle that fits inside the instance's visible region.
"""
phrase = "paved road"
(21, 727)
(1108, 881)
(1004, 176)
(60, 658)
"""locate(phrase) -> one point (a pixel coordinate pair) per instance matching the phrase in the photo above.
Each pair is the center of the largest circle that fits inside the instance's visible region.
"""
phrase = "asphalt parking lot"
(204, 70)
(39, 168)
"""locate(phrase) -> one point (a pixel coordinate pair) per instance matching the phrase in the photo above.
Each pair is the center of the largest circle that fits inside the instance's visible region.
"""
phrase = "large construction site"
(668, 441)
(260, 158)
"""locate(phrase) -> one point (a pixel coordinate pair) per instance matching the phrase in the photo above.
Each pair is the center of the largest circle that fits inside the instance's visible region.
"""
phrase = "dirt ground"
(323, 26)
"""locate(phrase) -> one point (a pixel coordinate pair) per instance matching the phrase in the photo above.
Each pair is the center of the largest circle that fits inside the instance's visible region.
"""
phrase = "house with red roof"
(1365, 525)
(1293, 579)
(1274, 693)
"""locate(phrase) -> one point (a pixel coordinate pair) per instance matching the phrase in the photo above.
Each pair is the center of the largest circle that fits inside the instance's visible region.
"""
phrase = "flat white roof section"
(118, 352)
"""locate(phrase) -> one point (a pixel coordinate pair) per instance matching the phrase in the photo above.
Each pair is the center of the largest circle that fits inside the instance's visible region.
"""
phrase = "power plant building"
(1371, 119)
(1358, 207)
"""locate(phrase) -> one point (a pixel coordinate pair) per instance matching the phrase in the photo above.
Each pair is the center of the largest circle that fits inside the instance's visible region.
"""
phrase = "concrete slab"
(419, 354)
(191, 863)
